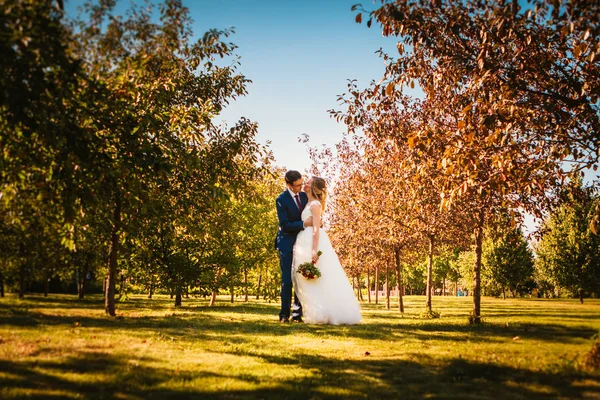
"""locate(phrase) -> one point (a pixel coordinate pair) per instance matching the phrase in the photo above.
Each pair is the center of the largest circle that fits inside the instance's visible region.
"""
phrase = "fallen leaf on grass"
(516, 338)
(367, 353)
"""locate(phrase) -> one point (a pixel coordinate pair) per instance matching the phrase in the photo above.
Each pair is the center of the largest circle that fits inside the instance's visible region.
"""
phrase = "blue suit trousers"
(285, 263)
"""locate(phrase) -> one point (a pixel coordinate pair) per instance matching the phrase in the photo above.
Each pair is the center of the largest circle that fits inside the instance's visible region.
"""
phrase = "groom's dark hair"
(292, 176)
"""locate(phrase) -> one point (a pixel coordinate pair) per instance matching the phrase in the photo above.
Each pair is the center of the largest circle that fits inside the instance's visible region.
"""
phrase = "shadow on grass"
(54, 301)
(99, 374)
(324, 378)
(194, 323)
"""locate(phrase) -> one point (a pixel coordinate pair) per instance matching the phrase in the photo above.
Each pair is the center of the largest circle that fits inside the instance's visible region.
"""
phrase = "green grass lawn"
(58, 347)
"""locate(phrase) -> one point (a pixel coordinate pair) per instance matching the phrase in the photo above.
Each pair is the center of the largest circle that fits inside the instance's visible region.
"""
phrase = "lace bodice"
(306, 213)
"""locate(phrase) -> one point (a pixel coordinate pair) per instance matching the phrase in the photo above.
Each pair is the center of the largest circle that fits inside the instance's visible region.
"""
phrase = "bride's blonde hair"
(318, 189)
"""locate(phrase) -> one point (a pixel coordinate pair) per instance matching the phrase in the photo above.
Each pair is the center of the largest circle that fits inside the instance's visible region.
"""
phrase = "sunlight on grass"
(526, 348)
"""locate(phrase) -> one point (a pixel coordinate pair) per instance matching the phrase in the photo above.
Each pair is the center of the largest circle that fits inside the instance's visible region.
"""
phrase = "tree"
(42, 146)
(506, 255)
(568, 252)
(157, 92)
(255, 229)
(444, 268)
(509, 96)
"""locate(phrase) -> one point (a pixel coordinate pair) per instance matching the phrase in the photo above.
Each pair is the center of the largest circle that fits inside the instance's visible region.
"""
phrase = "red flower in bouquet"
(309, 270)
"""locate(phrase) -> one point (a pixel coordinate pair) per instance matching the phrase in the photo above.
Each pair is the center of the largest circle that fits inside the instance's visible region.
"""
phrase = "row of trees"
(566, 261)
(509, 114)
(111, 164)
(110, 161)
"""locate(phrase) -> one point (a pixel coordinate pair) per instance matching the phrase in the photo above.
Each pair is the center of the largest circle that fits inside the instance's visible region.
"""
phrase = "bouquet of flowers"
(309, 270)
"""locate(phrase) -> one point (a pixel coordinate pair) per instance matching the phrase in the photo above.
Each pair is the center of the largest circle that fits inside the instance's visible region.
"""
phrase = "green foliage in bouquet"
(309, 270)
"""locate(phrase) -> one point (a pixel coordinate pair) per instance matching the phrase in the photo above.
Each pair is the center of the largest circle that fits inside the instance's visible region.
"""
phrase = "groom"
(290, 204)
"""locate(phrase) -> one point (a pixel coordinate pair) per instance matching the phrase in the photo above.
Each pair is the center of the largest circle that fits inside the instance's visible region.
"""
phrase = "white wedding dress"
(328, 299)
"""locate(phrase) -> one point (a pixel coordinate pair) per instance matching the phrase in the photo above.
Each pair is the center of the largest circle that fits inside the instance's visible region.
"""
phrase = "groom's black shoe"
(284, 319)
(297, 319)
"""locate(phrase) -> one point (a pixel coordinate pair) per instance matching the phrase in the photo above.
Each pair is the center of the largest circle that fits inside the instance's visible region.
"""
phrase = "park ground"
(61, 348)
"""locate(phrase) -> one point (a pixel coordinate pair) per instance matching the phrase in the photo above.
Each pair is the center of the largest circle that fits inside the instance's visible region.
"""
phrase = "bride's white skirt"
(330, 298)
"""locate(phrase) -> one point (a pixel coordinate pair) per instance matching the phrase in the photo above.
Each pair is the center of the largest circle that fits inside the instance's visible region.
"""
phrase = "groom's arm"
(284, 222)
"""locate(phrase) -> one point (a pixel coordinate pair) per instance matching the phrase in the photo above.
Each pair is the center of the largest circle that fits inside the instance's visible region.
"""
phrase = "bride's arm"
(315, 209)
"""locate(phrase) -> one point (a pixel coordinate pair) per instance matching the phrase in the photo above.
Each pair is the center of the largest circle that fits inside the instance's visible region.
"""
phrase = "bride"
(328, 299)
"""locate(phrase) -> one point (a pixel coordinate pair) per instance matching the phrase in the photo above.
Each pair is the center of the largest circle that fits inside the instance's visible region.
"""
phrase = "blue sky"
(299, 56)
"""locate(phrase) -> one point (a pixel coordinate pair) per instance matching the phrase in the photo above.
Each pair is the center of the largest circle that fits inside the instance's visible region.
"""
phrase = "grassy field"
(58, 347)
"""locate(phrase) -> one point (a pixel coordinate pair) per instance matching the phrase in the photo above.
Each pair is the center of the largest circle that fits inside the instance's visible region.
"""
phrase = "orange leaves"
(444, 204)
(387, 30)
(400, 47)
(579, 49)
(464, 187)
(358, 18)
(592, 56)
(389, 89)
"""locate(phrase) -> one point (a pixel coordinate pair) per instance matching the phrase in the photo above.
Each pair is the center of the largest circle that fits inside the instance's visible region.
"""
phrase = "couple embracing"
(328, 299)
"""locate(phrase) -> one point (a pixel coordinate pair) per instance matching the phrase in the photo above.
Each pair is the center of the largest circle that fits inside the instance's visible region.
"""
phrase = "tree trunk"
(360, 293)
(232, 287)
(258, 285)
(387, 286)
(399, 281)
(503, 294)
(213, 296)
(1, 285)
(22, 280)
(80, 284)
(376, 284)
(122, 292)
(109, 295)
(444, 286)
(369, 285)
(429, 288)
(46, 286)
(22, 271)
(245, 284)
(178, 296)
(477, 268)
(81, 289)
(581, 296)
(151, 287)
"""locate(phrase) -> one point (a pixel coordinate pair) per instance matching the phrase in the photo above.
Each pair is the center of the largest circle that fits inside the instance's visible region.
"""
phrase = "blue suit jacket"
(290, 220)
